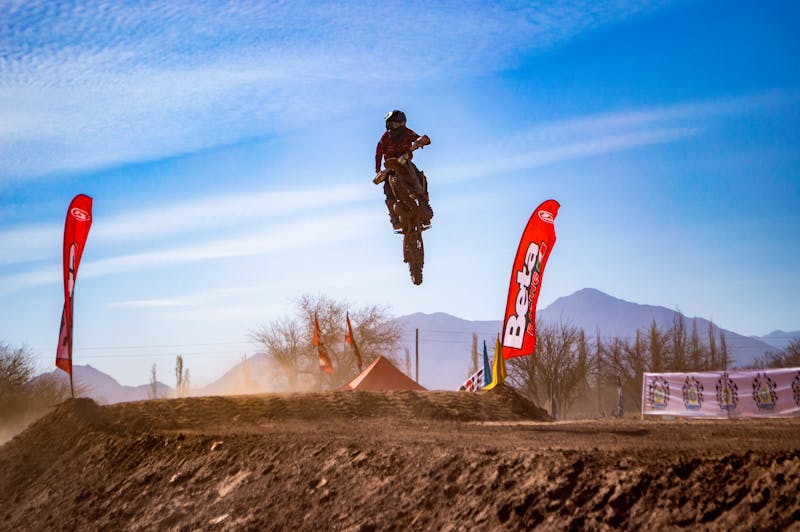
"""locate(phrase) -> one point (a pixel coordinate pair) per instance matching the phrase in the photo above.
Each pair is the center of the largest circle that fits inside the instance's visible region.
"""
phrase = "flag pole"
(71, 386)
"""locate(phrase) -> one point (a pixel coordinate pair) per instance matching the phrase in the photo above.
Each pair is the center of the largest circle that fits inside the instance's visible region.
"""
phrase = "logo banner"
(727, 394)
(538, 239)
(76, 230)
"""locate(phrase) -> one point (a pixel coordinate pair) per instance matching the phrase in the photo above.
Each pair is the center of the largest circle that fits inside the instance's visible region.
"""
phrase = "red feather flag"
(351, 339)
(538, 239)
(76, 230)
(322, 352)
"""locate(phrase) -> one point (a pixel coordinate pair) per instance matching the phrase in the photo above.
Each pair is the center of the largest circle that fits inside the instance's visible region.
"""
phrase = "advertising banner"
(519, 323)
(748, 393)
(76, 230)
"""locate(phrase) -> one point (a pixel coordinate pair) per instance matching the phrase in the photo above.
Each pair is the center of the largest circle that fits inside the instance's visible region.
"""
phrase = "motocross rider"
(397, 140)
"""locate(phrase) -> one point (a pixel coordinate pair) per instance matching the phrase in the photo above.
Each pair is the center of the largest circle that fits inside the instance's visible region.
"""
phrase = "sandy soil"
(365, 461)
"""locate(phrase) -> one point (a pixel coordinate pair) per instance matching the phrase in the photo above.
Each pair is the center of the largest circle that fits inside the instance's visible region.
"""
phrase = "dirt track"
(367, 461)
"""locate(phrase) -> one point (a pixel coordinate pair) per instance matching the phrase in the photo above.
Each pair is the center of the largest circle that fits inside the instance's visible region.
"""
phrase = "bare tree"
(725, 357)
(791, 355)
(788, 358)
(16, 370)
(152, 392)
(181, 377)
(285, 341)
(474, 353)
(617, 367)
(712, 347)
(598, 372)
(557, 371)
(678, 337)
(522, 375)
(24, 397)
(626, 362)
(619, 364)
(658, 344)
(638, 362)
(288, 340)
(696, 350)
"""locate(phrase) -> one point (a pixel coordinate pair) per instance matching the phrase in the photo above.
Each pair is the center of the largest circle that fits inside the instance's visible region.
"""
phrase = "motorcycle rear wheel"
(408, 211)
(414, 254)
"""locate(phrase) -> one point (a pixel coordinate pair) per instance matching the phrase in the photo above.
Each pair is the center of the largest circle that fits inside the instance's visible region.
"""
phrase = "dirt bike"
(408, 208)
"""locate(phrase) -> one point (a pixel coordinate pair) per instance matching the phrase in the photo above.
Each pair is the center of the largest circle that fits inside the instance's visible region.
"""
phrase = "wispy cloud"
(30, 242)
(185, 218)
(272, 238)
(217, 212)
(612, 132)
(20, 281)
(148, 303)
(577, 149)
(690, 114)
(236, 301)
(94, 83)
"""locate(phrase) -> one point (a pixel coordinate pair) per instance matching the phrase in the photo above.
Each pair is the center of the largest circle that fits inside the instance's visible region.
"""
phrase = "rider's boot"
(396, 225)
(390, 205)
(428, 212)
(421, 195)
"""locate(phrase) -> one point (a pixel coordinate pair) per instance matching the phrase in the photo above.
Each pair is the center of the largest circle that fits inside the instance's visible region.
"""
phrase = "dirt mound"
(366, 461)
(409, 406)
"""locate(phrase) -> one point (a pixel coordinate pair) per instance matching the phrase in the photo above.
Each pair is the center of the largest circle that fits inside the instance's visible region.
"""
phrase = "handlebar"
(421, 142)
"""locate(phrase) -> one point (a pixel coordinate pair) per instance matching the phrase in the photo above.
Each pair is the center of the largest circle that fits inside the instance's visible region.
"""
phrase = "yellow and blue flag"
(487, 368)
(498, 367)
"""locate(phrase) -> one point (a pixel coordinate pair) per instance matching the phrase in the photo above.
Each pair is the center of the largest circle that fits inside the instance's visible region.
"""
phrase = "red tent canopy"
(382, 375)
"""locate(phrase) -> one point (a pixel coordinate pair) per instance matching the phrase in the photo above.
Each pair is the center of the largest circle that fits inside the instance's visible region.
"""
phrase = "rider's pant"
(387, 191)
(414, 178)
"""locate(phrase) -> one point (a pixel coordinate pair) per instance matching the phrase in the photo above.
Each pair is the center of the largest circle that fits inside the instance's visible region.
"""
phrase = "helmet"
(395, 116)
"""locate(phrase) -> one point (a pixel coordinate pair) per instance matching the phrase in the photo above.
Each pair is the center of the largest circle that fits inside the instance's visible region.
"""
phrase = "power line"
(160, 355)
(180, 349)
(152, 346)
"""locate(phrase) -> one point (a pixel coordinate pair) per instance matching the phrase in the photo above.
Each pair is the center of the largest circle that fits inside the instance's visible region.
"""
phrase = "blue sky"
(229, 151)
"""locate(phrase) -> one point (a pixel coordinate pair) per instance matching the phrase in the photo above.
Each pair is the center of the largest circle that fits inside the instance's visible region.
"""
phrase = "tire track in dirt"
(391, 461)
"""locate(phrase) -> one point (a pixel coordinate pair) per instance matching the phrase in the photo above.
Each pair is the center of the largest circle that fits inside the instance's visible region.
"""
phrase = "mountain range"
(445, 341)
(103, 388)
(445, 346)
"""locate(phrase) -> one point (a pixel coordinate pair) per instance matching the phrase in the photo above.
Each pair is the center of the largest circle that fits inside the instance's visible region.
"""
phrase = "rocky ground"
(365, 461)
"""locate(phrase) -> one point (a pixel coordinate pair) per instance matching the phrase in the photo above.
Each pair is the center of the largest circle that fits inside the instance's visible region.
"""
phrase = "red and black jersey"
(393, 148)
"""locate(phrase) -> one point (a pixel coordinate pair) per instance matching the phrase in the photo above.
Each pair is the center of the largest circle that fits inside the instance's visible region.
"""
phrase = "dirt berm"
(365, 461)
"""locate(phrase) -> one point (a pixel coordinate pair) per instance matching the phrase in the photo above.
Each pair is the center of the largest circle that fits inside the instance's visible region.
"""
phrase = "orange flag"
(351, 339)
(322, 352)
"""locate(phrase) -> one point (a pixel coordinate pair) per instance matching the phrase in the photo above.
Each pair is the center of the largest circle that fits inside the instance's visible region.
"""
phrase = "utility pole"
(416, 364)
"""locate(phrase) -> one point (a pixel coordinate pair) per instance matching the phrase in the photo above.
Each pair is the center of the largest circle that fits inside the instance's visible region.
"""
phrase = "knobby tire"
(413, 247)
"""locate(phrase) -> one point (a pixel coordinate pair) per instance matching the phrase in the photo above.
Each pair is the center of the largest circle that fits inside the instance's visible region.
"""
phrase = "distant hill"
(255, 374)
(446, 341)
(593, 310)
(445, 344)
(779, 339)
(103, 388)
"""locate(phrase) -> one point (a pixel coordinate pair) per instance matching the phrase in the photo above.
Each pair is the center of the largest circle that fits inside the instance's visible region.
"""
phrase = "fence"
(721, 395)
